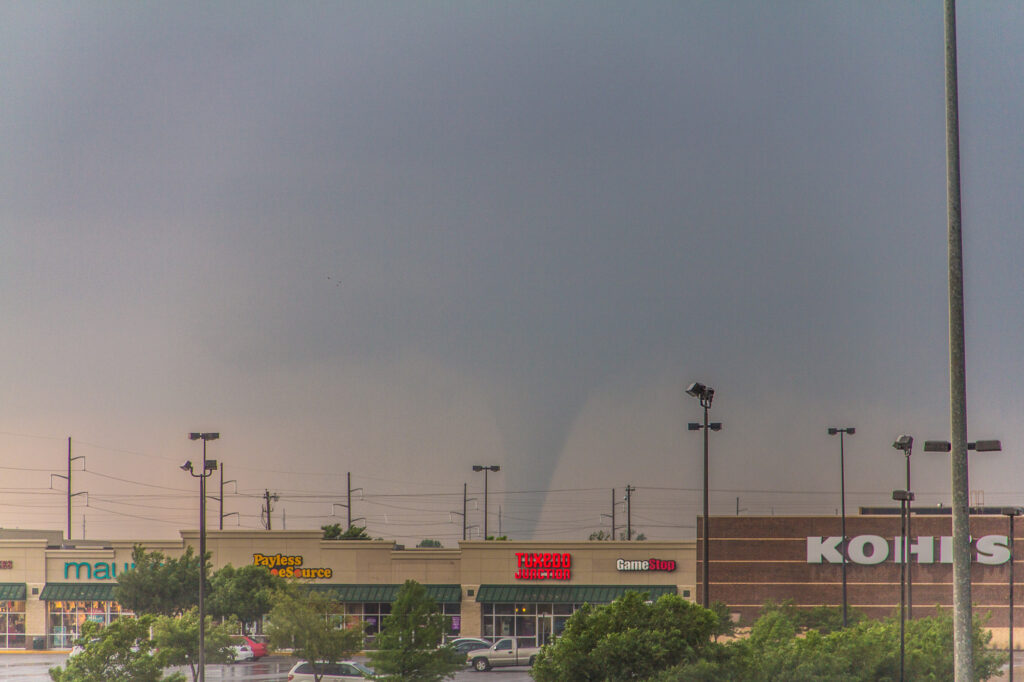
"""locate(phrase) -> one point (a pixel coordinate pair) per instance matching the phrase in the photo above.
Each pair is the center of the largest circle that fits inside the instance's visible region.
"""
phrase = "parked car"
(242, 652)
(463, 645)
(333, 672)
(504, 652)
(259, 649)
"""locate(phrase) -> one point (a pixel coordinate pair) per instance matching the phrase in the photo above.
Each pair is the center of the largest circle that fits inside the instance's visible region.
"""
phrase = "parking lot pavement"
(34, 667)
(494, 675)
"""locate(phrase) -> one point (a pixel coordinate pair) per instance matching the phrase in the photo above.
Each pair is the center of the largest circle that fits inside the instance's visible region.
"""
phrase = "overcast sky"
(399, 239)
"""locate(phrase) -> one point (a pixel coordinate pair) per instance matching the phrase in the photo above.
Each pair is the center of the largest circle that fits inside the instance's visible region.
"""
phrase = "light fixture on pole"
(905, 444)
(705, 395)
(1011, 512)
(495, 468)
(209, 466)
(978, 446)
(846, 430)
(905, 497)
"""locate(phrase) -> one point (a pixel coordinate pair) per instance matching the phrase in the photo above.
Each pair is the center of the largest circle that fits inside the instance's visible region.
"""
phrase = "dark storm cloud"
(554, 199)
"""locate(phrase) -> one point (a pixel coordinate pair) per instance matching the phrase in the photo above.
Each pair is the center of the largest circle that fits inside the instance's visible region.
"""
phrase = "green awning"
(442, 594)
(12, 591)
(78, 592)
(564, 594)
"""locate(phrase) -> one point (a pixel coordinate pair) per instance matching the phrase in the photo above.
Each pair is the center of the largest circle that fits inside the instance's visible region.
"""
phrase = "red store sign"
(543, 566)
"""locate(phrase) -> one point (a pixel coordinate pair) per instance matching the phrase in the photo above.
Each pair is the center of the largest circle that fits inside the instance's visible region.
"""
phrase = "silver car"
(333, 672)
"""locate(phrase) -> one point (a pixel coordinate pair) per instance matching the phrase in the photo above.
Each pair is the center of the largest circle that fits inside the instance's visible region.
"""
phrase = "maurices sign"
(923, 549)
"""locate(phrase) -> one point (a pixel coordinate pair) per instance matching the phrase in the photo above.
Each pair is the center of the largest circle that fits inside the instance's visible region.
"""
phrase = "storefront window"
(65, 619)
(530, 624)
(12, 625)
(370, 616)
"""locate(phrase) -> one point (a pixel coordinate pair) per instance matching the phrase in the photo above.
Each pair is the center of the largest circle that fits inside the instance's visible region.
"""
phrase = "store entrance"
(544, 629)
(530, 624)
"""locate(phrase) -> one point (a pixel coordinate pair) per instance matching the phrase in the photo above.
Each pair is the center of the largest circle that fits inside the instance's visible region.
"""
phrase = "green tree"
(725, 626)
(637, 536)
(177, 639)
(119, 651)
(779, 650)
(333, 532)
(244, 593)
(824, 619)
(604, 535)
(302, 620)
(158, 584)
(428, 542)
(409, 646)
(629, 639)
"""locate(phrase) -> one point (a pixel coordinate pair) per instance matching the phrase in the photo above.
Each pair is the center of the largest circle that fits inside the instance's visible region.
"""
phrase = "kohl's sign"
(868, 550)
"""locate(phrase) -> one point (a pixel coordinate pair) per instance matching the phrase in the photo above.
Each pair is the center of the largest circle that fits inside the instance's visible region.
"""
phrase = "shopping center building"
(527, 590)
(756, 559)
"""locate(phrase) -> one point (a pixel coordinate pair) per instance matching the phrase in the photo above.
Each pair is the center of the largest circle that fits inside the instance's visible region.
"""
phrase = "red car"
(259, 649)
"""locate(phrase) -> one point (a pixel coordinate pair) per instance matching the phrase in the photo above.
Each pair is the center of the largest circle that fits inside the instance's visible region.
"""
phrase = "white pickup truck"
(504, 652)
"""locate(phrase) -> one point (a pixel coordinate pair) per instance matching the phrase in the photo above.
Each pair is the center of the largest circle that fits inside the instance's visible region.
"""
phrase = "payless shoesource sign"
(290, 566)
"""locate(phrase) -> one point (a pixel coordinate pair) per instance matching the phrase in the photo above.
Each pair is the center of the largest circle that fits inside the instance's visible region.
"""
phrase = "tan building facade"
(521, 589)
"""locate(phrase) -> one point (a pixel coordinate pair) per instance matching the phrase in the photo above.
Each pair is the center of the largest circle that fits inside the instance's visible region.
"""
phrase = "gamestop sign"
(543, 566)
(868, 550)
(645, 565)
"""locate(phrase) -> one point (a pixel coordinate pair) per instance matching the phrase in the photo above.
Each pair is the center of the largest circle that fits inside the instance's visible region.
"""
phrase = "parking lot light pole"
(904, 497)
(842, 500)
(905, 444)
(209, 466)
(495, 468)
(1011, 512)
(705, 395)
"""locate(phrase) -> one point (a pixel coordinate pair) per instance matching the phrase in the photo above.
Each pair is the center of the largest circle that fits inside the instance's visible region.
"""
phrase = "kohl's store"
(528, 590)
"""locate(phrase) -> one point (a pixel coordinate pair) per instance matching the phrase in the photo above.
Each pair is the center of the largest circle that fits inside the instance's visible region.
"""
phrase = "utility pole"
(613, 513)
(268, 508)
(348, 503)
(221, 498)
(629, 512)
(68, 479)
(465, 501)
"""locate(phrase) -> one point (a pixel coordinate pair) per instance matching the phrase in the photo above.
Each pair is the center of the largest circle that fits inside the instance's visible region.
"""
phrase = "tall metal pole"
(614, 502)
(464, 501)
(843, 431)
(842, 504)
(485, 502)
(348, 477)
(202, 569)
(906, 549)
(208, 468)
(220, 525)
(963, 635)
(903, 581)
(1011, 596)
(629, 511)
(69, 487)
(271, 498)
(704, 567)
